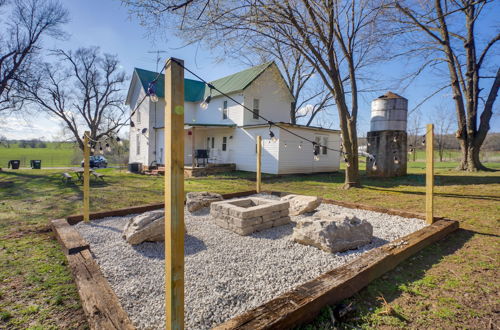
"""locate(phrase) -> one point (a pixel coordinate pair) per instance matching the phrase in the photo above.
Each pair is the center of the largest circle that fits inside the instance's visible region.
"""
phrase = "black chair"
(201, 154)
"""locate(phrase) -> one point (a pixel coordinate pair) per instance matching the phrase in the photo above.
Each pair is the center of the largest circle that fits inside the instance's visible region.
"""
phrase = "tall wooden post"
(86, 177)
(259, 163)
(429, 174)
(174, 194)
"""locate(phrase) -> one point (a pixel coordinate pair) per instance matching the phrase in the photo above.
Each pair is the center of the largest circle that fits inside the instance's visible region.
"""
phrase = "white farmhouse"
(225, 131)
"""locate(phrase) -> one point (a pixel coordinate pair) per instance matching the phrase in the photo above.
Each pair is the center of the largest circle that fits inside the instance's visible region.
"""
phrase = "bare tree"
(84, 89)
(22, 31)
(443, 119)
(448, 29)
(336, 38)
(310, 98)
(414, 128)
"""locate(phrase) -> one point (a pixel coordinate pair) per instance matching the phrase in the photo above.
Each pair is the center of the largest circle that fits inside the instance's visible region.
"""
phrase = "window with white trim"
(224, 110)
(324, 147)
(224, 143)
(255, 109)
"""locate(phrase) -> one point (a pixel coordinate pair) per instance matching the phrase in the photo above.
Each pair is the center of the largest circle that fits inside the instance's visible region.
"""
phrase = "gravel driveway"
(225, 274)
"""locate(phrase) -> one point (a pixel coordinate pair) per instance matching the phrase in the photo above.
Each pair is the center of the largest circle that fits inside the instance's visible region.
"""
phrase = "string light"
(152, 92)
(271, 133)
(395, 139)
(316, 157)
(396, 160)
(204, 105)
(100, 149)
(144, 130)
(300, 145)
(132, 123)
(108, 148)
(374, 166)
(206, 101)
(120, 142)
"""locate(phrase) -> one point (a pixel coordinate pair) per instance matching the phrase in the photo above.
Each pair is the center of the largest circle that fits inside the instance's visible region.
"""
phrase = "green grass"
(452, 283)
(56, 154)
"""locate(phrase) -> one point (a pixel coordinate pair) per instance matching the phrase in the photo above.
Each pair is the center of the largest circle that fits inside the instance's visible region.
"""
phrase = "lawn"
(56, 154)
(453, 283)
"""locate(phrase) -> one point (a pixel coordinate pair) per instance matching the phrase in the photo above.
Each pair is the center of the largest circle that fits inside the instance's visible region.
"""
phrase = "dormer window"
(224, 110)
(255, 109)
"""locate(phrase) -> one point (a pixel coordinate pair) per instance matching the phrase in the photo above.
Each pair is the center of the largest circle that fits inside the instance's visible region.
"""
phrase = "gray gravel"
(225, 274)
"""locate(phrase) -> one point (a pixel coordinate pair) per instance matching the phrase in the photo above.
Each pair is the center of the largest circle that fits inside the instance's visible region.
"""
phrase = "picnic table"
(79, 173)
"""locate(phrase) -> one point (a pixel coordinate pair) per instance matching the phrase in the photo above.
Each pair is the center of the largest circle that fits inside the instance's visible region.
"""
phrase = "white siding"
(213, 114)
(145, 153)
(293, 159)
(274, 98)
(244, 150)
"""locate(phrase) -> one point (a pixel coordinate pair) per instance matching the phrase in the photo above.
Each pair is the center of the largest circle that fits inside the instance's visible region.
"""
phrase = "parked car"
(97, 161)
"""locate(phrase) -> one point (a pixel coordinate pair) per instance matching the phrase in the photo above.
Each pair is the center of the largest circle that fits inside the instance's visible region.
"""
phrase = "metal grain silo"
(387, 137)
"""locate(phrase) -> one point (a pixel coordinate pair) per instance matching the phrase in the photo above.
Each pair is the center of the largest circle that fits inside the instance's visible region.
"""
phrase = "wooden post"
(86, 177)
(259, 163)
(193, 149)
(429, 175)
(174, 194)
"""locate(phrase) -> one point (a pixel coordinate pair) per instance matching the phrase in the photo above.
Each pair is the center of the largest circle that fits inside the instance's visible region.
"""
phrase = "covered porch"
(208, 145)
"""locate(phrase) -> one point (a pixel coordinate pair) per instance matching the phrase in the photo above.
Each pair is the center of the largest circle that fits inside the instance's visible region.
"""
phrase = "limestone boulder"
(334, 234)
(197, 200)
(146, 227)
(300, 204)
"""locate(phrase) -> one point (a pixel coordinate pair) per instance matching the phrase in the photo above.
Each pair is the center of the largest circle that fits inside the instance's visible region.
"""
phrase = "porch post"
(192, 147)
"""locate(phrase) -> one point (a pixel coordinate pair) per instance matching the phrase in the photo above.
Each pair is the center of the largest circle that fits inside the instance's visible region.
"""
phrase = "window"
(213, 142)
(324, 147)
(224, 143)
(138, 143)
(224, 110)
(138, 116)
(208, 142)
(255, 109)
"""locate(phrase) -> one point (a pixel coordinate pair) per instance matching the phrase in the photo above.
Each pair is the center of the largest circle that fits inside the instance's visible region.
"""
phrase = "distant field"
(56, 154)
(455, 156)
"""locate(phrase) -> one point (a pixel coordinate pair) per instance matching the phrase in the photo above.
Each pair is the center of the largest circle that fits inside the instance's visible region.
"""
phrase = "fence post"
(174, 194)
(259, 163)
(429, 176)
(86, 177)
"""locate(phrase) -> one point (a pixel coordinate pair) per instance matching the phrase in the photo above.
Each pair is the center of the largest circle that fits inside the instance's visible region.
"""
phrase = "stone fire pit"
(247, 215)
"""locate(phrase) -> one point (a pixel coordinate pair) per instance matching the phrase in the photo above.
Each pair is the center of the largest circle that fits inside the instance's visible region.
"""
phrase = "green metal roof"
(196, 91)
(193, 89)
(237, 81)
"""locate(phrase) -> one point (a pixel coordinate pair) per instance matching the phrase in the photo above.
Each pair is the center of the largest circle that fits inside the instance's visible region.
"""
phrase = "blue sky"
(106, 23)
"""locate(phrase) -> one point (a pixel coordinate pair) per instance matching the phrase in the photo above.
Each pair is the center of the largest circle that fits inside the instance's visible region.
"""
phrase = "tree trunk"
(352, 165)
(470, 158)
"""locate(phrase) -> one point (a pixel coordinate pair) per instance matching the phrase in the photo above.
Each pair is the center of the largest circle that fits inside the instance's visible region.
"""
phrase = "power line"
(271, 123)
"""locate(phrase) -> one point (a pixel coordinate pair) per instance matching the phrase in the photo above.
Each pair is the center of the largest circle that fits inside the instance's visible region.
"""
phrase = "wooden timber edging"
(100, 303)
(297, 306)
(304, 303)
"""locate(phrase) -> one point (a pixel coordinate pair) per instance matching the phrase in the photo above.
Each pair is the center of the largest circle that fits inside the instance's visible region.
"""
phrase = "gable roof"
(237, 81)
(196, 91)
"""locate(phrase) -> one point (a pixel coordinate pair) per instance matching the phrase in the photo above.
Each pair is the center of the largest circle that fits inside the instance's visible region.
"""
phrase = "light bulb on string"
(316, 157)
(152, 92)
(396, 160)
(300, 145)
(120, 142)
(132, 124)
(374, 166)
(395, 139)
(100, 149)
(108, 147)
(271, 133)
(206, 101)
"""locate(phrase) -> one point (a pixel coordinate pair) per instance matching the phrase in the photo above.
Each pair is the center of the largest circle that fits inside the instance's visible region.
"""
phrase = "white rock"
(335, 234)
(300, 204)
(148, 226)
(198, 200)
